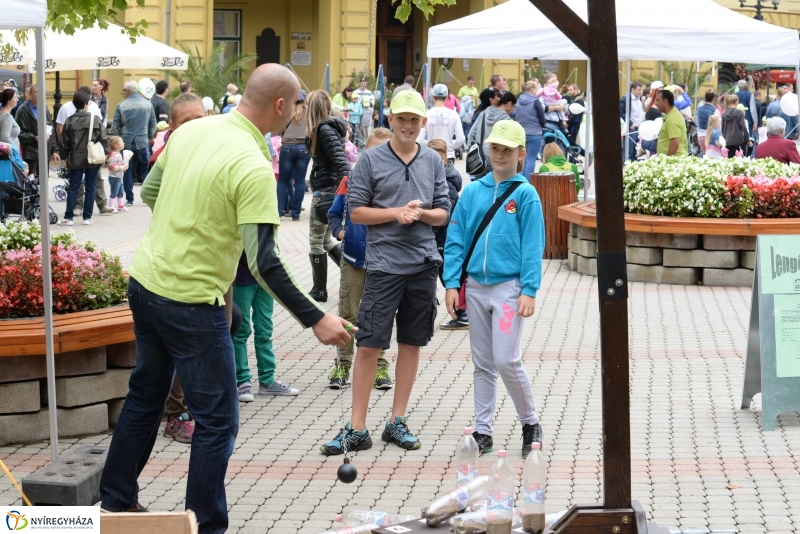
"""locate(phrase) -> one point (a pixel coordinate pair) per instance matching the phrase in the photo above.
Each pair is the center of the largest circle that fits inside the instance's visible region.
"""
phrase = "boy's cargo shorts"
(411, 296)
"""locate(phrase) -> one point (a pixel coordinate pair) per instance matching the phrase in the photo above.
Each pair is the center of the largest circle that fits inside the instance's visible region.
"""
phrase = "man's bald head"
(270, 97)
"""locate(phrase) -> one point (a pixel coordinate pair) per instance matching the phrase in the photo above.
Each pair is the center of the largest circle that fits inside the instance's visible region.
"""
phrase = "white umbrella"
(96, 48)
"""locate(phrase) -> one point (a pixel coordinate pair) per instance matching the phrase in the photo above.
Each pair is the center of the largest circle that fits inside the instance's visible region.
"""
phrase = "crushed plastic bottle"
(358, 529)
(456, 501)
(466, 459)
(500, 499)
(534, 482)
(476, 522)
(382, 519)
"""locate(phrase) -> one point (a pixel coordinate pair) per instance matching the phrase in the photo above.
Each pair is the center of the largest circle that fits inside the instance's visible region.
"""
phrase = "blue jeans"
(292, 168)
(142, 157)
(632, 148)
(533, 144)
(194, 341)
(115, 187)
(75, 177)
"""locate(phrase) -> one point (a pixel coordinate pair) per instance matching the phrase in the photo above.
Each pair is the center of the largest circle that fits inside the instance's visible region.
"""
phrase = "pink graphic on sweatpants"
(507, 320)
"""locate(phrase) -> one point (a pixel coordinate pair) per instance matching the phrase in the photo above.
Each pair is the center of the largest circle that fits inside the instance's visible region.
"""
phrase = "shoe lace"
(398, 431)
(382, 373)
(245, 388)
(347, 438)
(338, 372)
(528, 433)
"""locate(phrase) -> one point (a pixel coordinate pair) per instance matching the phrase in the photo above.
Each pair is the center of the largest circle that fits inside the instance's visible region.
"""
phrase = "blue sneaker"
(399, 434)
(353, 439)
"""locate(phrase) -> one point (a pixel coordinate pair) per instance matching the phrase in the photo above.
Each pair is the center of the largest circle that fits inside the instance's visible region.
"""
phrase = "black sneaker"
(398, 433)
(454, 324)
(339, 377)
(530, 434)
(352, 439)
(382, 379)
(485, 443)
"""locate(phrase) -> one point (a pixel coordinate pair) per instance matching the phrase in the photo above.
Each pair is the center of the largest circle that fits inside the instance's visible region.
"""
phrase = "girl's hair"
(319, 109)
(652, 98)
(8, 95)
(710, 96)
(714, 121)
(486, 96)
(527, 86)
(115, 141)
(299, 112)
(550, 150)
(104, 83)
(731, 101)
(379, 134)
(507, 97)
(439, 146)
(548, 76)
(346, 90)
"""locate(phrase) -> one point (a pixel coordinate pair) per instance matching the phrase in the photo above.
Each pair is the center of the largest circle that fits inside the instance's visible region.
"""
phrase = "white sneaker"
(88, 221)
(123, 208)
(65, 222)
(246, 392)
(114, 210)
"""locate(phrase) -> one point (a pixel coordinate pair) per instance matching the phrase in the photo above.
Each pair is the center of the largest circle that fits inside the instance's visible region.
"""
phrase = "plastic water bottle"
(500, 501)
(466, 459)
(360, 529)
(382, 519)
(534, 480)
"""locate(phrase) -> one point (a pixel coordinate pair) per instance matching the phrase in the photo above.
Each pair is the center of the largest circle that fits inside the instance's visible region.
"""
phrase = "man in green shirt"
(672, 139)
(470, 90)
(211, 204)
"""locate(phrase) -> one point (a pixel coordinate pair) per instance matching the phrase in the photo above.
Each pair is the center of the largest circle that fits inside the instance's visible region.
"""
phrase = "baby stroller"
(20, 193)
(60, 190)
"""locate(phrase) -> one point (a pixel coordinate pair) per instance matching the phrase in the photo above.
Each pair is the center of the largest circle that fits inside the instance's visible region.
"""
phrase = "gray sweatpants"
(494, 334)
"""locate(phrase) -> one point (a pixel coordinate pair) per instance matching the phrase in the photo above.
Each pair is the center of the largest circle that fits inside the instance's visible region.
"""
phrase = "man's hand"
(56, 158)
(451, 300)
(526, 306)
(330, 330)
(410, 212)
(341, 235)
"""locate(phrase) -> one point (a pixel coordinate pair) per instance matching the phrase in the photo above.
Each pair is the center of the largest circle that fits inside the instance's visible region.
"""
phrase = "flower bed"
(685, 186)
(83, 278)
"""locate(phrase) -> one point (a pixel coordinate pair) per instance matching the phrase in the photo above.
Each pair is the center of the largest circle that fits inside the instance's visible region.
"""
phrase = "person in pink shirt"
(275, 140)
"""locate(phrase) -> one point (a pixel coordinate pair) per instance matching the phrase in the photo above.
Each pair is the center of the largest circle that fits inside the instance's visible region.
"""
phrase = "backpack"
(467, 108)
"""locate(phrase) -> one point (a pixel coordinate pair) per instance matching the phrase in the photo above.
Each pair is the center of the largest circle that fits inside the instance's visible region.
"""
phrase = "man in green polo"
(211, 205)
(672, 139)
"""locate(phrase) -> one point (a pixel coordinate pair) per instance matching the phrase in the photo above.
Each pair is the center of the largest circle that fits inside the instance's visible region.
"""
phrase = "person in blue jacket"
(504, 275)
(354, 272)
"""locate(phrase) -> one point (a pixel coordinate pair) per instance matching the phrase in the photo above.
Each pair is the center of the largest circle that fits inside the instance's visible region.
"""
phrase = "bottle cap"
(338, 518)
(501, 454)
(536, 446)
(467, 430)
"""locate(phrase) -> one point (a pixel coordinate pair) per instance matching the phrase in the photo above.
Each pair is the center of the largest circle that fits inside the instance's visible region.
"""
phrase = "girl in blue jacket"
(504, 274)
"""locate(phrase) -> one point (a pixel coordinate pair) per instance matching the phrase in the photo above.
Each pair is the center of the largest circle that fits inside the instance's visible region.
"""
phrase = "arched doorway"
(268, 47)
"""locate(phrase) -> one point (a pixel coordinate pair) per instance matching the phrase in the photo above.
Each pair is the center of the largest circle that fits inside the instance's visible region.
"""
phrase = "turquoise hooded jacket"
(512, 245)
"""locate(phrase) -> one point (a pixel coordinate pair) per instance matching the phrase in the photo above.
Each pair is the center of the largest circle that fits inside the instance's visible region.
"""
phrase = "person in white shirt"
(68, 110)
(443, 123)
(367, 100)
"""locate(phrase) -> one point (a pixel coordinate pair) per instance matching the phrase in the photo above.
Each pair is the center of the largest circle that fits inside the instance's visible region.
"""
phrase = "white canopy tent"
(96, 48)
(690, 30)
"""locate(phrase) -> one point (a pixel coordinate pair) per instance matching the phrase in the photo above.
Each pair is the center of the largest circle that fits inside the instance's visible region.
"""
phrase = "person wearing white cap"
(443, 122)
(655, 87)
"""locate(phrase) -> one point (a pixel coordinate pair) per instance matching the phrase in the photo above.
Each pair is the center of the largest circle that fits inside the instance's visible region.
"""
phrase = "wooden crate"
(555, 189)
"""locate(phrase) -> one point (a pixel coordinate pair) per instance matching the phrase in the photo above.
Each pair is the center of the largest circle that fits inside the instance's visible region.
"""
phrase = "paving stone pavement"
(699, 461)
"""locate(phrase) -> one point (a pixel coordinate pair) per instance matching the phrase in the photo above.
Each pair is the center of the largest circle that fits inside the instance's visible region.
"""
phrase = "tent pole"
(328, 78)
(381, 96)
(44, 216)
(427, 91)
(589, 158)
(627, 114)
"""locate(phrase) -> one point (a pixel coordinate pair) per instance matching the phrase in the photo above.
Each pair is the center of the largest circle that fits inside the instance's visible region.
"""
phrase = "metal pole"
(328, 78)
(627, 113)
(44, 217)
(589, 158)
(168, 18)
(57, 94)
(381, 96)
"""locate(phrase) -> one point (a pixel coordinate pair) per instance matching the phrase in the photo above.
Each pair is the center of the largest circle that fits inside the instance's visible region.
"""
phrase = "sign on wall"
(301, 36)
(301, 58)
(773, 344)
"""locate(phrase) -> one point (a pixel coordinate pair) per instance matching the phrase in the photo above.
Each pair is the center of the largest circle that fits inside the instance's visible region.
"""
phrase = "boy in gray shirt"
(399, 191)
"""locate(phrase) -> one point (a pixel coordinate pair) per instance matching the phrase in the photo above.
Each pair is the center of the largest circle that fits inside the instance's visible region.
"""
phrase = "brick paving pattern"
(699, 461)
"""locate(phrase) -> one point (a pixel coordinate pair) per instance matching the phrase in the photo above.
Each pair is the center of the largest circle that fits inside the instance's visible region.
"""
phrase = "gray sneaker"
(246, 392)
(277, 388)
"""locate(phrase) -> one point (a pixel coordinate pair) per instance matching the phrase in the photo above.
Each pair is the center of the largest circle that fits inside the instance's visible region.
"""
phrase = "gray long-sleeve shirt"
(382, 180)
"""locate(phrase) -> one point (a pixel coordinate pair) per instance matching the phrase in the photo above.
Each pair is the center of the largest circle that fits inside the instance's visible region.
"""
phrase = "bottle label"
(465, 473)
(461, 496)
(377, 518)
(500, 501)
(534, 493)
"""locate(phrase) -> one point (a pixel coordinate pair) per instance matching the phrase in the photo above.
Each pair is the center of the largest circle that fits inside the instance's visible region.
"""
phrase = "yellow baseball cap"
(407, 102)
(507, 133)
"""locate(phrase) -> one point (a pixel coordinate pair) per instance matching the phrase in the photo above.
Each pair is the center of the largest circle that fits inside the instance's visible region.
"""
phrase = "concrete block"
(644, 255)
(22, 428)
(121, 354)
(573, 243)
(681, 241)
(728, 277)
(659, 274)
(114, 409)
(573, 262)
(79, 362)
(586, 248)
(747, 259)
(729, 242)
(717, 259)
(18, 397)
(585, 232)
(587, 265)
(573, 229)
(91, 389)
(72, 481)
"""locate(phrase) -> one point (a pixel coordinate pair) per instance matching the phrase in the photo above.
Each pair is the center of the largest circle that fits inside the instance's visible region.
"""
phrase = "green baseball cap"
(507, 133)
(407, 102)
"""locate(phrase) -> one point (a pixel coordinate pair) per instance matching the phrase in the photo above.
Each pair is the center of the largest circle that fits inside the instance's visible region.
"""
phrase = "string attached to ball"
(347, 472)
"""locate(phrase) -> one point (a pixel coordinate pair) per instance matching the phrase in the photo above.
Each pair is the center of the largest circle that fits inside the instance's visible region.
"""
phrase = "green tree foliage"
(211, 76)
(426, 6)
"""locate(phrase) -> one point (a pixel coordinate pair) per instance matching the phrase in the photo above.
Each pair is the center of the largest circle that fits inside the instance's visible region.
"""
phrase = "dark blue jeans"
(194, 341)
(75, 177)
(533, 145)
(141, 157)
(292, 168)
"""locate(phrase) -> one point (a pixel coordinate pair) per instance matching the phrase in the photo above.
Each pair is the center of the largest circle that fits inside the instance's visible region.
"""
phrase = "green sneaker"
(353, 439)
(399, 434)
(382, 379)
(339, 376)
